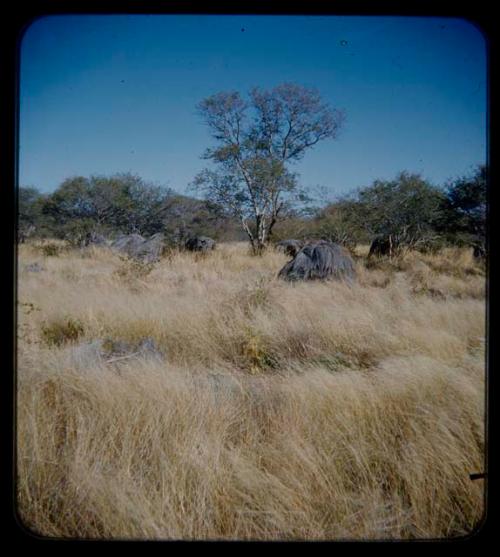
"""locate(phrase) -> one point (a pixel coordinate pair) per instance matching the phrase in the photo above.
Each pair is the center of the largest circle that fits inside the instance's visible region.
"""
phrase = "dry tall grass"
(280, 411)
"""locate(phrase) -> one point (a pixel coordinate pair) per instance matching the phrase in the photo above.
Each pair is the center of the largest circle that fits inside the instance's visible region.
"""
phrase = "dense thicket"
(462, 217)
(119, 204)
(411, 210)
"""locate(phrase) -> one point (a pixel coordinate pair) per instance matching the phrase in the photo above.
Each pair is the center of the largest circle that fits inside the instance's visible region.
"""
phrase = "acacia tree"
(256, 141)
(29, 210)
(463, 217)
(122, 202)
(405, 209)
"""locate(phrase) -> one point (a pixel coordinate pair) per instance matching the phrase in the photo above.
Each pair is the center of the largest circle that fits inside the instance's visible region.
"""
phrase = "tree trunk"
(262, 232)
(246, 228)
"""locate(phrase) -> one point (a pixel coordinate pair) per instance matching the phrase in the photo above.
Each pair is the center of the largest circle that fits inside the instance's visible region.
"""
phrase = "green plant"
(61, 332)
(51, 250)
(256, 353)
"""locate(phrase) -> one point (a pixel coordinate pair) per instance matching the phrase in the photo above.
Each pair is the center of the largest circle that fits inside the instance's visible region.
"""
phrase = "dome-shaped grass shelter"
(200, 243)
(290, 247)
(147, 250)
(320, 260)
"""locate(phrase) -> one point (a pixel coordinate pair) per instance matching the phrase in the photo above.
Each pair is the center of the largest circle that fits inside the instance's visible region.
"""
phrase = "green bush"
(51, 250)
(61, 332)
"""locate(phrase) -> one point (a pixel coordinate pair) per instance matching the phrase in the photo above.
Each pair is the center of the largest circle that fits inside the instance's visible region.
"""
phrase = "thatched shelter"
(127, 243)
(384, 245)
(93, 239)
(290, 247)
(320, 260)
(200, 243)
(147, 250)
(152, 248)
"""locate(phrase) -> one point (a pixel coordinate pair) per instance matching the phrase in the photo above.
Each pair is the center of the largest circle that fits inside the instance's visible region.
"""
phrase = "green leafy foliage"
(59, 332)
(122, 203)
(463, 211)
(408, 207)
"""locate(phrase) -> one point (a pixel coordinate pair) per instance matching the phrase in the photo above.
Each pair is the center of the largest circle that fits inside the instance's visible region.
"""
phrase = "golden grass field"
(311, 411)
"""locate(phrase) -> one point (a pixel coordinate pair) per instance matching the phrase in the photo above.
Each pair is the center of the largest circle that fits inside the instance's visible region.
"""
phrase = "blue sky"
(107, 94)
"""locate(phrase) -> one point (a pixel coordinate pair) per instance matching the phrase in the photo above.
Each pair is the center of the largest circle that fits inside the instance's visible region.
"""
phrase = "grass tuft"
(57, 333)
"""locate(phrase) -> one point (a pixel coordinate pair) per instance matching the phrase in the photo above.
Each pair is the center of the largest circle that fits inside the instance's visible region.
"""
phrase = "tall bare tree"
(256, 141)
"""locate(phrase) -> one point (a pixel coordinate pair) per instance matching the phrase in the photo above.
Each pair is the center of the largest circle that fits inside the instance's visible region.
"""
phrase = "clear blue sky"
(107, 94)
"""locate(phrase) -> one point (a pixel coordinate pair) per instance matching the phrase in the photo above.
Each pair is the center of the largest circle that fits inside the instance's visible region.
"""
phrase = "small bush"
(61, 332)
(51, 250)
(28, 307)
(256, 354)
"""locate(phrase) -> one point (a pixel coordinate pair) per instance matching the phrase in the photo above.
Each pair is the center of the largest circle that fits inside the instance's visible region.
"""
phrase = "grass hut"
(320, 260)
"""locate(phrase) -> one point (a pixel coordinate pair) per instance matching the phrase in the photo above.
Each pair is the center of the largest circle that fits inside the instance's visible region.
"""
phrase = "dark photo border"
(17, 19)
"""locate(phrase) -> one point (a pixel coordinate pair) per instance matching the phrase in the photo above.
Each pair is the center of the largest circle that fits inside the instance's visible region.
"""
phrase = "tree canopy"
(121, 203)
(463, 211)
(406, 208)
(256, 141)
